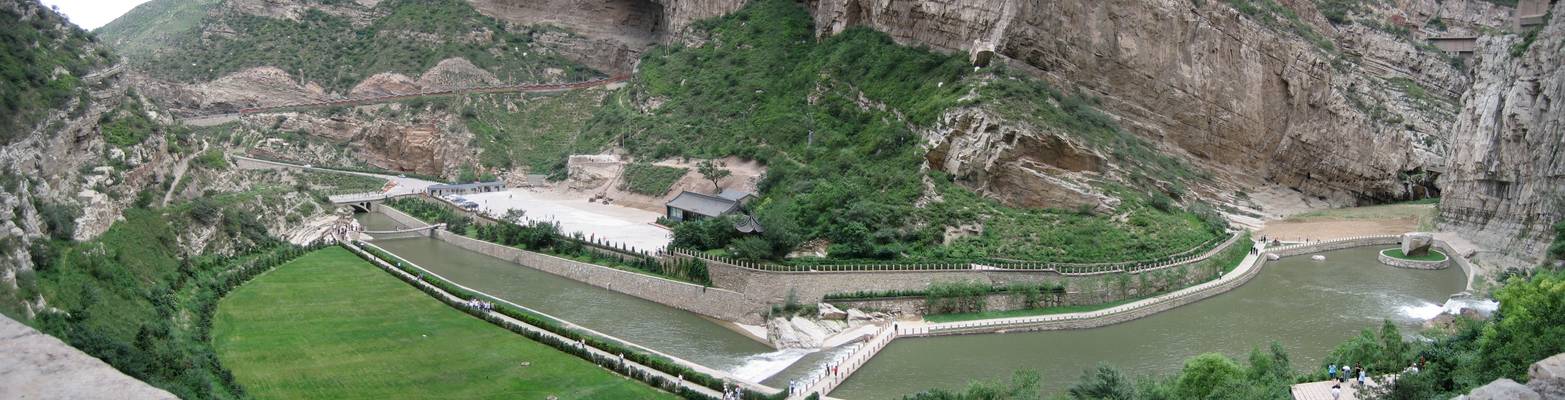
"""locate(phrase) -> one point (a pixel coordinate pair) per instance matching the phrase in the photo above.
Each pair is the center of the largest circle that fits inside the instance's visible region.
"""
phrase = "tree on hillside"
(712, 172)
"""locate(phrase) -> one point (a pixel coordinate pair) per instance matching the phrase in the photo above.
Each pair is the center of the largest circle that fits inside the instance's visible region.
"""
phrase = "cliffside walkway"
(221, 118)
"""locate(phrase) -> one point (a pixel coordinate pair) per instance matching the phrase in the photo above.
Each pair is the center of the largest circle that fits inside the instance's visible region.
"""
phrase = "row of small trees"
(437, 287)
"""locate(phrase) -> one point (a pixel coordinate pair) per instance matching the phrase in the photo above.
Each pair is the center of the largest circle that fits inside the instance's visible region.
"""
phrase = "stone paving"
(34, 365)
(1322, 390)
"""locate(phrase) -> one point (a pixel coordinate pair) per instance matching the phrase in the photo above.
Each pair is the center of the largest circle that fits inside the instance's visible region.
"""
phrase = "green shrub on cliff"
(836, 123)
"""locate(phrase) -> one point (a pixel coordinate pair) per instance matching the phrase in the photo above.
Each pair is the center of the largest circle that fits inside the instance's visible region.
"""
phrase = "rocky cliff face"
(1505, 183)
(1332, 118)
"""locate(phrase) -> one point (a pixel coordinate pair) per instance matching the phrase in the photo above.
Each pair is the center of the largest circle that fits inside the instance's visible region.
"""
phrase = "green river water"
(1308, 306)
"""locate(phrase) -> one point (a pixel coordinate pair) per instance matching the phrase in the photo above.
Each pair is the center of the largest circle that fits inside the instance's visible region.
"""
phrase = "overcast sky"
(91, 14)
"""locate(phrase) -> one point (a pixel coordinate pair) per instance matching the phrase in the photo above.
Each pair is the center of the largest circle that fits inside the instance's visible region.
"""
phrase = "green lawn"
(1434, 255)
(329, 325)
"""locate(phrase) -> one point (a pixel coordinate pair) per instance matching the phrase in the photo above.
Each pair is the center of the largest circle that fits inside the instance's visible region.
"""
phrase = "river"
(1307, 306)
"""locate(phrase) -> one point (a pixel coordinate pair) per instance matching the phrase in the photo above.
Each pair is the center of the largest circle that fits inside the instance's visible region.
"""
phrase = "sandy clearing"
(1390, 219)
(1326, 230)
(631, 226)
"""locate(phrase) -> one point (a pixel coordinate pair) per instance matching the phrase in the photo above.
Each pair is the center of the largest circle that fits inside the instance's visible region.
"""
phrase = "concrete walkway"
(1322, 390)
(838, 370)
(1239, 272)
(34, 365)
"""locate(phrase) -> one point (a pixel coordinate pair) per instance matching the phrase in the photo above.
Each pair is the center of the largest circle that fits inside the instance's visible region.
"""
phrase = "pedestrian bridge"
(423, 231)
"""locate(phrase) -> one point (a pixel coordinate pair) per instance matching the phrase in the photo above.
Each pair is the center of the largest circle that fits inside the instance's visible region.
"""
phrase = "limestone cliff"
(1331, 117)
(1505, 181)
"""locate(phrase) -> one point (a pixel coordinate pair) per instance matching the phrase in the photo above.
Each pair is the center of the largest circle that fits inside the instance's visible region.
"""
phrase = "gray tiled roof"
(733, 195)
(707, 205)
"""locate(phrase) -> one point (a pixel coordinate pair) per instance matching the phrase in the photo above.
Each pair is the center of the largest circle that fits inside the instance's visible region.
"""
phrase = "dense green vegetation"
(34, 43)
(127, 125)
(544, 237)
(434, 213)
(1529, 326)
(538, 134)
(408, 37)
(327, 183)
(132, 299)
(765, 89)
(285, 336)
(155, 26)
(651, 180)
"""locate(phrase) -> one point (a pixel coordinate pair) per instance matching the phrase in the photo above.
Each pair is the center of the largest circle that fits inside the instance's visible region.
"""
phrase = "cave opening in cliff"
(643, 18)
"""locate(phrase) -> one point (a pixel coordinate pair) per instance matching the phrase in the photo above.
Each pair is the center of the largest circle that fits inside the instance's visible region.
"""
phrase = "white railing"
(844, 365)
(1071, 269)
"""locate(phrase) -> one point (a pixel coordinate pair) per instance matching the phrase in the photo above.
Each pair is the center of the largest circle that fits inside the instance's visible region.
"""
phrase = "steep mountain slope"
(1337, 100)
(191, 54)
(844, 126)
(1505, 185)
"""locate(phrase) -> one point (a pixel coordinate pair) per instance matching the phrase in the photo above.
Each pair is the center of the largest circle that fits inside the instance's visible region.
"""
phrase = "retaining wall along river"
(718, 303)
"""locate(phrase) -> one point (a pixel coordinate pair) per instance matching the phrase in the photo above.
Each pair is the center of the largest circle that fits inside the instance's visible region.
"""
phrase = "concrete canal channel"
(1307, 306)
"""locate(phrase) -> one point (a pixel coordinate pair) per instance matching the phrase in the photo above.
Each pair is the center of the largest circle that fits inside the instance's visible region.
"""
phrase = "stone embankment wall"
(1413, 264)
(1459, 259)
(717, 303)
(399, 216)
(915, 305)
(773, 287)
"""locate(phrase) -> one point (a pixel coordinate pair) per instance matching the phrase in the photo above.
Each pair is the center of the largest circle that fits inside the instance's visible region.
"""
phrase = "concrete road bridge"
(400, 186)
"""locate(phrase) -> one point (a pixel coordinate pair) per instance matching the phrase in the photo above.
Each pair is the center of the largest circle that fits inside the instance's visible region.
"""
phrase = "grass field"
(329, 325)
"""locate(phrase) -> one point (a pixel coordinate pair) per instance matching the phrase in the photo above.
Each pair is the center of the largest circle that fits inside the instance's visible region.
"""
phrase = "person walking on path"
(1363, 376)
(1336, 391)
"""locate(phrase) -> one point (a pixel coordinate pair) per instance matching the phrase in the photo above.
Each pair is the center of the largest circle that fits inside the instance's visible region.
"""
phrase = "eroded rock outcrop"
(1017, 163)
(1505, 182)
(1239, 96)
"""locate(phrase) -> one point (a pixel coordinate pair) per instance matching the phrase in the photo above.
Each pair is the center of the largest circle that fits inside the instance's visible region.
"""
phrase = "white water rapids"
(1427, 311)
